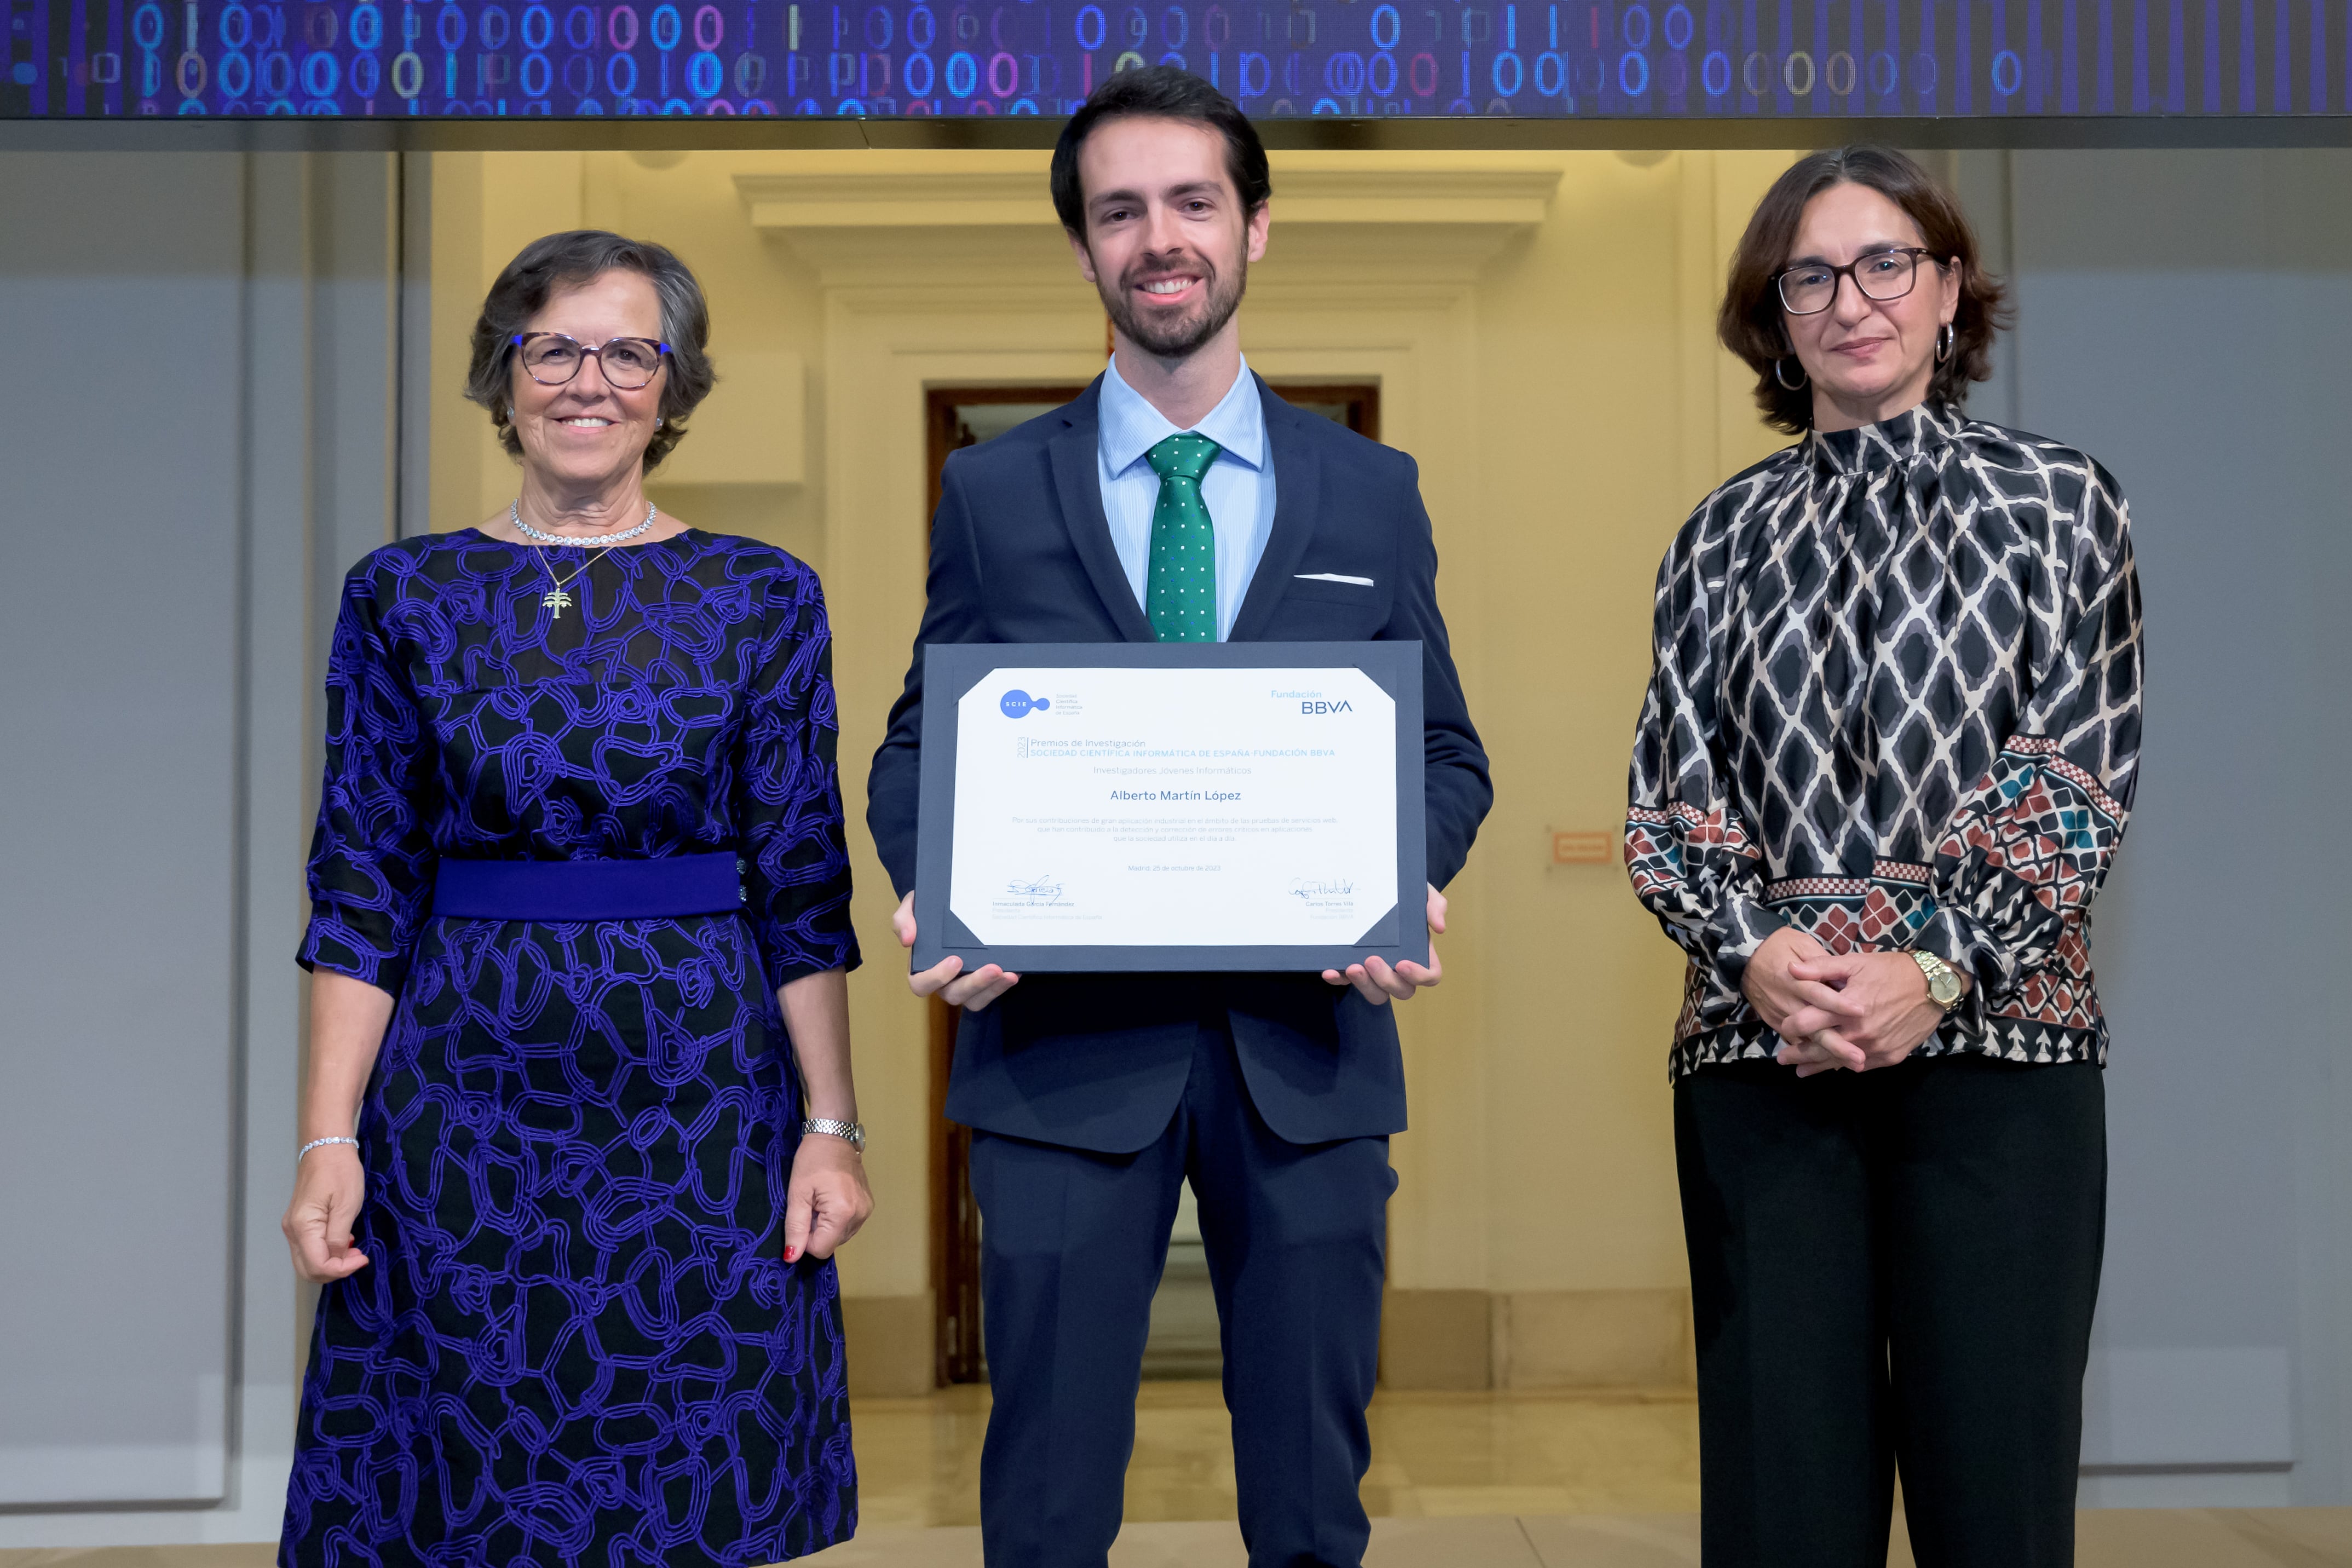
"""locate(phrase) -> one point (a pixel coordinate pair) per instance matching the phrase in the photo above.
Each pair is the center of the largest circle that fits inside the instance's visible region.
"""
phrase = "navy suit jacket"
(1021, 553)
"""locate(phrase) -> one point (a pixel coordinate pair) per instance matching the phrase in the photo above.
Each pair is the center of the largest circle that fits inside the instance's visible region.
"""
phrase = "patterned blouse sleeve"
(1693, 862)
(796, 848)
(2030, 844)
(372, 857)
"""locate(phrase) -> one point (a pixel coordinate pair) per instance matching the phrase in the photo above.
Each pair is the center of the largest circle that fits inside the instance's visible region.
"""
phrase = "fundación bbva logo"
(1017, 703)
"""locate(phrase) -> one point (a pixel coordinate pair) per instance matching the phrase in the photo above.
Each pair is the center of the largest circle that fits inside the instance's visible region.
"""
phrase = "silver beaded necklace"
(514, 512)
(555, 599)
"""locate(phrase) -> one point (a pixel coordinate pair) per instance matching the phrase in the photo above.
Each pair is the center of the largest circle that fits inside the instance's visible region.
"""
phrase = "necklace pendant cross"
(558, 601)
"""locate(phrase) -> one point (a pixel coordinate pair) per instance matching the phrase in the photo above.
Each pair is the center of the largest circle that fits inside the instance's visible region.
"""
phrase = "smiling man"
(1148, 511)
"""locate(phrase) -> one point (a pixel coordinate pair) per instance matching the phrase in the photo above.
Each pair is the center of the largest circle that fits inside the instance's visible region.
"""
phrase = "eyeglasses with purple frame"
(558, 350)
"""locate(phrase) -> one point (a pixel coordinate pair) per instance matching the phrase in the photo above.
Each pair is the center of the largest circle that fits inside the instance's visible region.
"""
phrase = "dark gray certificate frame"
(952, 669)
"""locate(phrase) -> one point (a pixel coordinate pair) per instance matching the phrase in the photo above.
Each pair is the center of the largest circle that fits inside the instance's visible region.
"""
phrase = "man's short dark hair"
(1160, 92)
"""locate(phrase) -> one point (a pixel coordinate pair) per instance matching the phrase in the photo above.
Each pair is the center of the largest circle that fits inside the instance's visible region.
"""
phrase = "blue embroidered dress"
(577, 1340)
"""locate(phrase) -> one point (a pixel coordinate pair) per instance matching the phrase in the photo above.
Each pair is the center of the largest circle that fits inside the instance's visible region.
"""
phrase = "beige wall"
(1545, 350)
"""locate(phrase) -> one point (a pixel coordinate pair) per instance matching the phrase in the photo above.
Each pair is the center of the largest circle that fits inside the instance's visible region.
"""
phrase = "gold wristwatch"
(1943, 980)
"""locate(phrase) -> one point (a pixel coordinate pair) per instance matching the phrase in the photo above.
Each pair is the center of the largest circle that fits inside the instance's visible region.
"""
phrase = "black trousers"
(1072, 1245)
(1893, 1268)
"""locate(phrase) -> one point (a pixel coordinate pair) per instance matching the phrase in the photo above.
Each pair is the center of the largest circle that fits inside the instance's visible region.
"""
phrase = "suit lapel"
(1078, 484)
(1297, 495)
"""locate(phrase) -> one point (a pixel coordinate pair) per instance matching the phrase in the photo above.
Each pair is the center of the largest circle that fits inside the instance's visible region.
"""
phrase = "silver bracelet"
(851, 1132)
(315, 1142)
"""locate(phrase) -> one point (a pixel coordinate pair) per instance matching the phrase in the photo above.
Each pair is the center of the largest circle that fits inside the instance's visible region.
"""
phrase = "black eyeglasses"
(553, 359)
(1811, 287)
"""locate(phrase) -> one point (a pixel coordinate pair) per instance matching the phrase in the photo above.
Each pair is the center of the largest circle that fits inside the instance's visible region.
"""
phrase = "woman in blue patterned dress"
(578, 945)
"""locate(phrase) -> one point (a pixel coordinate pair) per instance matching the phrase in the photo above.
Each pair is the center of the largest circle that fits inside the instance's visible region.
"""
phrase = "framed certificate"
(1171, 806)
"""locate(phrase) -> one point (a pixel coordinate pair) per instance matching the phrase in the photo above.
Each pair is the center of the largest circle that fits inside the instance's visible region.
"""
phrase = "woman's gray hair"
(582, 255)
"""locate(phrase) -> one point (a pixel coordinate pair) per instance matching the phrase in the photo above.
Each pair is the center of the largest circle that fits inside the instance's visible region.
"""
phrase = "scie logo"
(1340, 707)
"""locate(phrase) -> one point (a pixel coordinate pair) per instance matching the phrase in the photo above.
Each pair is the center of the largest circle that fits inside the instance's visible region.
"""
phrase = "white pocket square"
(1335, 577)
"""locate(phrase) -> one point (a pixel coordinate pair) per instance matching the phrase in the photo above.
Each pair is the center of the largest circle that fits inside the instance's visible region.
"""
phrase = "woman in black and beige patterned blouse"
(1888, 750)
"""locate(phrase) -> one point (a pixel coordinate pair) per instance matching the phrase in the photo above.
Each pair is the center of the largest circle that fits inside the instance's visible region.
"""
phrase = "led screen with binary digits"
(1530, 59)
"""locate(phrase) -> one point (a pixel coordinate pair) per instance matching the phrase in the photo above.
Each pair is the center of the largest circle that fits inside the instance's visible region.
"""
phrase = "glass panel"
(987, 421)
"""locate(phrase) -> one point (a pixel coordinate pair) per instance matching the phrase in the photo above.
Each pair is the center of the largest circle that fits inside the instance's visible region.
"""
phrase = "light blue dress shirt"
(1238, 488)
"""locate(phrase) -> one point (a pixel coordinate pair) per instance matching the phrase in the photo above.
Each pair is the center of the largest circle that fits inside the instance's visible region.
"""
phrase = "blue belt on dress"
(590, 890)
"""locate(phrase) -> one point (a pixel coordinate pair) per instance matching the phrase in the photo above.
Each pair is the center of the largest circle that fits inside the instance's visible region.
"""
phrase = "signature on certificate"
(1034, 889)
(1311, 889)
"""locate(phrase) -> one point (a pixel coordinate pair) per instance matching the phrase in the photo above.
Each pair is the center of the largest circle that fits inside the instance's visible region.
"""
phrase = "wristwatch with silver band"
(1944, 986)
(853, 1131)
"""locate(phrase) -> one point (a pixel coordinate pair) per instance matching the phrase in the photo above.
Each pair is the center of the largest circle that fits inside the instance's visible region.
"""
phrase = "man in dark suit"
(1094, 1097)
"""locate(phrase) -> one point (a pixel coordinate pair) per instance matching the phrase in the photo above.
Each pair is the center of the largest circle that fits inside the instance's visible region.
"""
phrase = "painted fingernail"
(791, 1254)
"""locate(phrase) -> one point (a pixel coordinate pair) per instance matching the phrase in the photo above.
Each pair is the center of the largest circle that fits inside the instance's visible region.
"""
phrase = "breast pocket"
(1332, 607)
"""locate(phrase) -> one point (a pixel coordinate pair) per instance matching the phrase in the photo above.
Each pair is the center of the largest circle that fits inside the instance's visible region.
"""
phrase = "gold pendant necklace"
(555, 600)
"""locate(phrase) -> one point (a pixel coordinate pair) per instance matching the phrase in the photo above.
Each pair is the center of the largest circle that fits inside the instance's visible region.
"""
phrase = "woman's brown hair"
(1753, 325)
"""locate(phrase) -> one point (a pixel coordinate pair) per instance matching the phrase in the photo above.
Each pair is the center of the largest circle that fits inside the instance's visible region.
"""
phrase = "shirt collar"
(1128, 426)
(1910, 433)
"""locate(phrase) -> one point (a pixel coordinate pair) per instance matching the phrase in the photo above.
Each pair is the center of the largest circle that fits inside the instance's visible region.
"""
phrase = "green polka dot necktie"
(1179, 585)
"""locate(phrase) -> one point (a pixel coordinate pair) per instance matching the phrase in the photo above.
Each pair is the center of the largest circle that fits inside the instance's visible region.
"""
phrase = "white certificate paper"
(1116, 807)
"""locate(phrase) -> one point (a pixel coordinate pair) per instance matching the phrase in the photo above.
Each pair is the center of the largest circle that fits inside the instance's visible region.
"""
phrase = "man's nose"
(1162, 234)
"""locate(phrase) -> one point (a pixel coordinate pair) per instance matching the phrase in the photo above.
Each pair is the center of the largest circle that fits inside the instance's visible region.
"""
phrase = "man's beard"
(1181, 336)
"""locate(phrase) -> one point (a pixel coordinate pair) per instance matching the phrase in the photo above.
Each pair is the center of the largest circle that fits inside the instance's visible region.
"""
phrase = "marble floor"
(2110, 1538)
(1433, 1455)
(1458, 1480)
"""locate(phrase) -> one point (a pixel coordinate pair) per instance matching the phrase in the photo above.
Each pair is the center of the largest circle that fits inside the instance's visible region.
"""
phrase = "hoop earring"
(1780, 374)
(1943, 337)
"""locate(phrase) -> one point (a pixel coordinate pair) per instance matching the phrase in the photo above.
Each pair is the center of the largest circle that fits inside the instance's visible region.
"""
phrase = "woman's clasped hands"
(1855, 1010)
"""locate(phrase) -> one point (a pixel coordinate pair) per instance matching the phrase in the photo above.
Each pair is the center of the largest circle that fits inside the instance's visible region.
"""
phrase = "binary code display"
(1675, 59)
